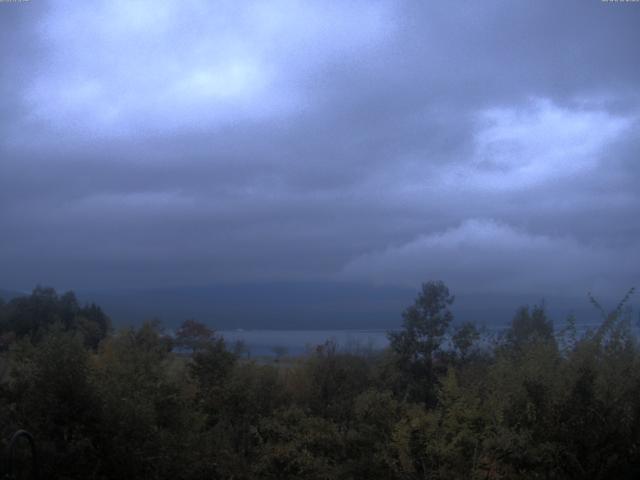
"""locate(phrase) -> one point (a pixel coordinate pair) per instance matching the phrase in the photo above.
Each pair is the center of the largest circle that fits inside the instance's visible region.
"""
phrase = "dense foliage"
(442, 402)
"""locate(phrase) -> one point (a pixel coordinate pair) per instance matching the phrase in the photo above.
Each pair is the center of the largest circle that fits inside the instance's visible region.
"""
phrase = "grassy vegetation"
(442, 402)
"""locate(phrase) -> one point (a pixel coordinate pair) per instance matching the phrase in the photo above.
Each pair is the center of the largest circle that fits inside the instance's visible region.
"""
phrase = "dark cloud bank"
(493, 145)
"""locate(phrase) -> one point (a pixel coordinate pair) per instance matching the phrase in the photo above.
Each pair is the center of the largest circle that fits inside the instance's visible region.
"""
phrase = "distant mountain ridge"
(7, 295)
(310, 306)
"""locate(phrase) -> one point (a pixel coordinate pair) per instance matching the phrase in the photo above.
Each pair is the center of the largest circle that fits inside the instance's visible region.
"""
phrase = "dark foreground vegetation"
(442, 402)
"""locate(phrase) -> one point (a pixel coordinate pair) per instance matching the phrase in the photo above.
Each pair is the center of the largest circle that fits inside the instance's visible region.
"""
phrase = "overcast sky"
(494, 145)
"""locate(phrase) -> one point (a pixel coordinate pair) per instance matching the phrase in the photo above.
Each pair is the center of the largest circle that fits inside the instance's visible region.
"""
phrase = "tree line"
(443, 401)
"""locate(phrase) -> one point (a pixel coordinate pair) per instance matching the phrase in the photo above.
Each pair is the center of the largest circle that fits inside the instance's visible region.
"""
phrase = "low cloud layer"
(493, 145)
(484, 256)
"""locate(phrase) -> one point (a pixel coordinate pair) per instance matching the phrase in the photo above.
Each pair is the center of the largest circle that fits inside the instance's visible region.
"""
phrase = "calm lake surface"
(296, 342)
(263, 342)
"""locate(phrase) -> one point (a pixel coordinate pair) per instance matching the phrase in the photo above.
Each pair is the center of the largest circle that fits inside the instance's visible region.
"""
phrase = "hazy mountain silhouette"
(7, 295)
(310, 305)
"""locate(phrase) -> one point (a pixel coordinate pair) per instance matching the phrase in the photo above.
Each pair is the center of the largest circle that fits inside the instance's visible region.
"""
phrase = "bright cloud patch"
(522, 147)
(119, 66)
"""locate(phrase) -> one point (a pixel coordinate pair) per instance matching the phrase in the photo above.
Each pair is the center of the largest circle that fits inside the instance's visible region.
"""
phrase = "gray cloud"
(483, 256)
(156, 144)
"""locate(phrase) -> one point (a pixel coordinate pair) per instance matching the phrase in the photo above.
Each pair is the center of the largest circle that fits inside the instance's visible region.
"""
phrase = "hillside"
(308, 306)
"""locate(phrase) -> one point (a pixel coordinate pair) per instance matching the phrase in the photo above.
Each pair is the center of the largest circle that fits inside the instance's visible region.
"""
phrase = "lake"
(296, 342)
(263, 342)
